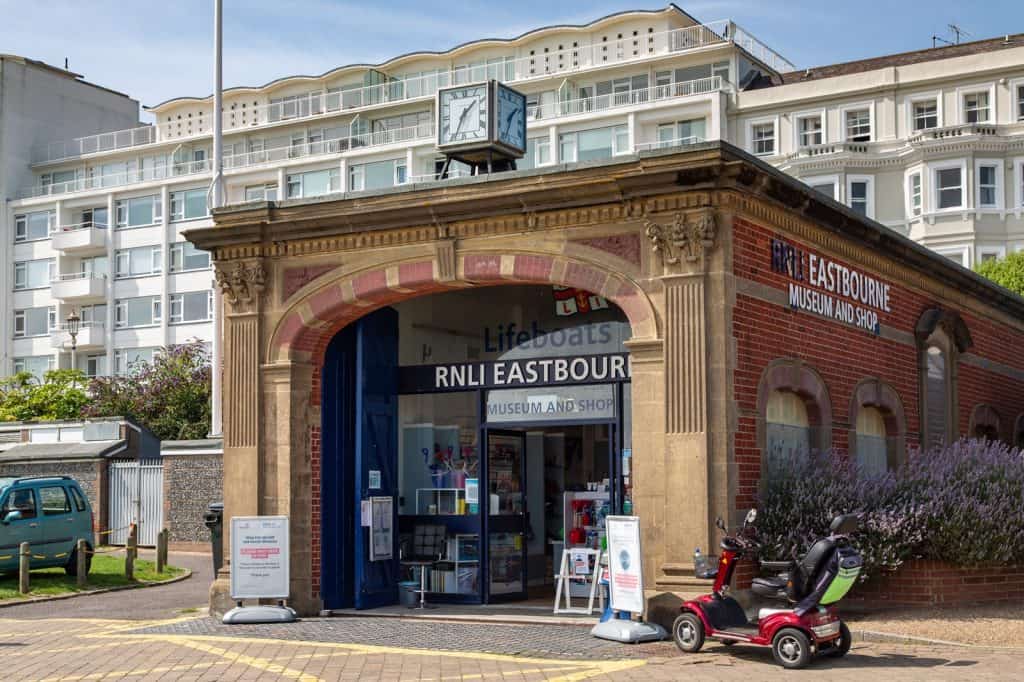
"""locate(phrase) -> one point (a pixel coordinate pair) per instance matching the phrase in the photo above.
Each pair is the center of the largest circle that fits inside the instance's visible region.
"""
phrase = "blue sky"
(158, 50)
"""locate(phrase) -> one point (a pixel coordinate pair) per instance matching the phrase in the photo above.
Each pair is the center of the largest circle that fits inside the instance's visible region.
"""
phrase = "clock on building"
(482, 123)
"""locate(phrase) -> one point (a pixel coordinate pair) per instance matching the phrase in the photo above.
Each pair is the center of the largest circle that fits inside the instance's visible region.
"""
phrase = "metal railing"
(131, 177)
(74, 276)
(89, 224)
(626, 98)
(63, 326)
(667, 144)
(398, 89)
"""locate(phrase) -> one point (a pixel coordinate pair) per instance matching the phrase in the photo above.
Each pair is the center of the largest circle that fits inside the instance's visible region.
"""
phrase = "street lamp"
(73, 322)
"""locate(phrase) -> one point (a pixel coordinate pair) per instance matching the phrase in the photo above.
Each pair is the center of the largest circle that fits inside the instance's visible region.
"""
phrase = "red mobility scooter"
(790, 612)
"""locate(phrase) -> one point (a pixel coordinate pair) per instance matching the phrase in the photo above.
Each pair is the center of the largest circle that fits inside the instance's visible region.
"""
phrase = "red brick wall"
(843, 355)
(932, 583)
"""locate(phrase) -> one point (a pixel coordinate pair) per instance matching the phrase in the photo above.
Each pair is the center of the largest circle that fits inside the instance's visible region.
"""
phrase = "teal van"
(50, 513)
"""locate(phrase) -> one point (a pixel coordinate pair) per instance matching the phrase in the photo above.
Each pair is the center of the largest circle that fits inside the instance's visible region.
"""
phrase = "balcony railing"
(398, 89)
(667, 144)
(130, 177)
(812, 150)
(947, 132)
(90, 335)
(377, 138)
(626, 98)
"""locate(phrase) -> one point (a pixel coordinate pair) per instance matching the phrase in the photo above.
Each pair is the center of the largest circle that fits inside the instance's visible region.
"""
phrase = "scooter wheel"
(791, 648)
(841, 645)
(688, 632)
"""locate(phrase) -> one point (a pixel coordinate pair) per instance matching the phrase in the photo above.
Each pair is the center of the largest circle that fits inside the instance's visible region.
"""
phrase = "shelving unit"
(446, 501)
(459, 571)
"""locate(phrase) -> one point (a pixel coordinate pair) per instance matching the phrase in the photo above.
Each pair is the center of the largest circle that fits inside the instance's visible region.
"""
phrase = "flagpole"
(217, 201)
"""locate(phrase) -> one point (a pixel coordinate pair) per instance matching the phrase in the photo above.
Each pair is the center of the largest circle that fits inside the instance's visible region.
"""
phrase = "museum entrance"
(467, 438)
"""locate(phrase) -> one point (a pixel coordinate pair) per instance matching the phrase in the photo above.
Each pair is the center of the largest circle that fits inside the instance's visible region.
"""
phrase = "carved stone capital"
(686, 238)
(243, 283)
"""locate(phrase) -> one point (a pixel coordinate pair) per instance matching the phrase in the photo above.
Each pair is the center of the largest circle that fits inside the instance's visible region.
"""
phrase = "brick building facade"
(729, 275)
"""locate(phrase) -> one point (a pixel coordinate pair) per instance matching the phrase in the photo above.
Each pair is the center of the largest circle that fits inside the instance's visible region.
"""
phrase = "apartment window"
(95, 365)
(34, 274)
(914, 191)
(825, 184)
(810, 128)
(538, 153)
(130, 360)
(31, 226)
(1020, 102)
(34, 321)
(926, 114)
(858, 125)
(94, 217)
(94, 266)
(185, 256)
(139, 212)
(95, 315)
(682, 132)
(762, 136)
(137, 262)
(314, 183)
(976, 107)
(189, 204)
(590, 145)
(141, 311)
(266, 192)
(989, 190)
(860, 195)
(193, 306)
(376, 175)
(949, 188)
(990, 255)
(36, 365)
(415, 123)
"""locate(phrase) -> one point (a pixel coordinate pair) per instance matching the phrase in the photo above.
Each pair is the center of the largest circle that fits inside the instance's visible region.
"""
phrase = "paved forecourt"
(377, 648)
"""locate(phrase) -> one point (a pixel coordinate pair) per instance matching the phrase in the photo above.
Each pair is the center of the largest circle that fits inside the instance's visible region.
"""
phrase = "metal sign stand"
(566, 575)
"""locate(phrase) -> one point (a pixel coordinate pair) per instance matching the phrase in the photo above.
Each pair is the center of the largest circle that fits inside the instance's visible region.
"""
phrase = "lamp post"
(74, 323)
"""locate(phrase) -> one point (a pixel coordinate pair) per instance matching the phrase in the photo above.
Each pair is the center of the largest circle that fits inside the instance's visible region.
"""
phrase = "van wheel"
(72, 566)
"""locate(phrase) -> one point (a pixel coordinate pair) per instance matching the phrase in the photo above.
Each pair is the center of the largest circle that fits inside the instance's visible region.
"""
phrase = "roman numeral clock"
(482, 124)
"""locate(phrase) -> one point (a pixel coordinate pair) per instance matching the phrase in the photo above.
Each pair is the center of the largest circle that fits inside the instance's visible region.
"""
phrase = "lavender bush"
(962, 504)
(170, 395)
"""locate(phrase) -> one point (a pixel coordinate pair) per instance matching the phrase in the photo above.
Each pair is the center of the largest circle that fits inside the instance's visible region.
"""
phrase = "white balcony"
(79, 286)
(563, 63)
(98, 181)
(80, 239)
(91, 335)
(626, 99)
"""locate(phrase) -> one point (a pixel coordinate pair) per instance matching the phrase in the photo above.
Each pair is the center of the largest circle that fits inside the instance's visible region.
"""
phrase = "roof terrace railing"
(398, 89)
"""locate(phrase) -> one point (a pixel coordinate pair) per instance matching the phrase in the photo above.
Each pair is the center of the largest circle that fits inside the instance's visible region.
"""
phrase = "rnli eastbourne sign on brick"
(821, 286)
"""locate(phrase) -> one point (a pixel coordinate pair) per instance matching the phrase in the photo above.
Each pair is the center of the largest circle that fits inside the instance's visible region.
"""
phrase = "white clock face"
(463, 115)
(512, 118)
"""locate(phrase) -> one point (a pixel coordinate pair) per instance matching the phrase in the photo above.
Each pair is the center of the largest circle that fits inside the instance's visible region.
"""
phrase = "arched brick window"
(878, 433)
(794, 412)
(941, 337)
(985, 423)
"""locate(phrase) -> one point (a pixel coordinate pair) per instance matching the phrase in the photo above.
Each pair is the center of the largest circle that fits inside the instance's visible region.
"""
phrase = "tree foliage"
(1006, 272)
(170, 395)
(60, 395)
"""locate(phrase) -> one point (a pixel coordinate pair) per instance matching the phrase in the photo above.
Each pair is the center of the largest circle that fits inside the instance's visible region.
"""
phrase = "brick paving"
(391, 649)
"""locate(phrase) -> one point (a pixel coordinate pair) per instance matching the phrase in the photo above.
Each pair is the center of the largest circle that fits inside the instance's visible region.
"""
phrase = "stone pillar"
(242, 284)
(684, 241)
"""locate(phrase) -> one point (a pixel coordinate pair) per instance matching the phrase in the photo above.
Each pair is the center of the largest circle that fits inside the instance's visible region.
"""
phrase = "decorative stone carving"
(683, 239)
(242, 282)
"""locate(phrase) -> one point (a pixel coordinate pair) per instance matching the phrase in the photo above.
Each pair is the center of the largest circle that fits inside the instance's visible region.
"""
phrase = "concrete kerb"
(103, 590)
(875, 637)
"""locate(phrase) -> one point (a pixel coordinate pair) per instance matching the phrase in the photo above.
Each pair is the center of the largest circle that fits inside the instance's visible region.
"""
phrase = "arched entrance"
(493, 421)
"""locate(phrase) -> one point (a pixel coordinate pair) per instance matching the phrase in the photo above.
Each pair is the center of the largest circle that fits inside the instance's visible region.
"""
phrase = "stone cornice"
(619, 190)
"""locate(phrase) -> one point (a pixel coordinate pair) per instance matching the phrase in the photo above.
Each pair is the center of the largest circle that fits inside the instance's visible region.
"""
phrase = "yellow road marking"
(251, 661)
(136, 671)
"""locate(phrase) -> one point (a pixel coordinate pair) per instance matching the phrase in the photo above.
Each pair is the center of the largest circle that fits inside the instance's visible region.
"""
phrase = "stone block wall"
(90, 474)
(191, 483)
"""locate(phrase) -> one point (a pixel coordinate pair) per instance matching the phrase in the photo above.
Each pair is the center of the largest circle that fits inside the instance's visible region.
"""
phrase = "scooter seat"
(773, 588)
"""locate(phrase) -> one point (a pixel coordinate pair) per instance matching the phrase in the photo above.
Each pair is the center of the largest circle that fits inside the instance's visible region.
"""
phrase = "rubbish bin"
(407, 594)
(214, 519)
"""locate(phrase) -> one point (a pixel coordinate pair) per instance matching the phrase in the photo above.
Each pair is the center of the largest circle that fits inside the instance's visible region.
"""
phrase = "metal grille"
(125, 489)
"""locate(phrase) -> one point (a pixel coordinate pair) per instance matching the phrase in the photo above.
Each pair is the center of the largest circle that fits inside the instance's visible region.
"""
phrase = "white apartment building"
(98, 226)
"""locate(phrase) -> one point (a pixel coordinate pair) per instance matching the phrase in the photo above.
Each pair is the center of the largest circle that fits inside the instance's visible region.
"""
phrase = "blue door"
(376, 452)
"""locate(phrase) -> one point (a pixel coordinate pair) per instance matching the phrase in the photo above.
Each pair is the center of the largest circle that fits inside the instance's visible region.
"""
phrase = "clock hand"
(462, 117)
(508, 121)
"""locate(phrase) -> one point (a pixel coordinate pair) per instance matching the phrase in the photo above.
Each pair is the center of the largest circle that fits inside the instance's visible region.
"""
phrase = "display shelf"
(446, 501)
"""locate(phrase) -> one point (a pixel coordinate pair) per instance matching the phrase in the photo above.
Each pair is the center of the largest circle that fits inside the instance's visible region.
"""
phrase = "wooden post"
(161, 550)
(130, 553)
(24, 564)
(81, 559)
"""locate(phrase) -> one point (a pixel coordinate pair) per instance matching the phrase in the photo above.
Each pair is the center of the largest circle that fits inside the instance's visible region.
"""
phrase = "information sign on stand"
(625, 584)
(259, 568)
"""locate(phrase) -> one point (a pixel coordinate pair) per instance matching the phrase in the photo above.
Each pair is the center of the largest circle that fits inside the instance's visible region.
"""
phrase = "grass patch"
(106, 571)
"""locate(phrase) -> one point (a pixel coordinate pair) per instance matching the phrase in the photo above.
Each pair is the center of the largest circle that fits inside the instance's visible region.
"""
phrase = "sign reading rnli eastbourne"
(824, 287)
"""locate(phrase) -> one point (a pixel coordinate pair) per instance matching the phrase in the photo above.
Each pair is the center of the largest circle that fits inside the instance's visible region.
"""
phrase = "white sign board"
(553, 403)
(381, 528)
(259, 557)
(626, 589)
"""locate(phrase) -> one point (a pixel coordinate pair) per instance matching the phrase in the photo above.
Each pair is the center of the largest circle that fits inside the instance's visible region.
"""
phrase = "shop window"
(985, 423)
(795, 411)
(878, 436)
(942, 336)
